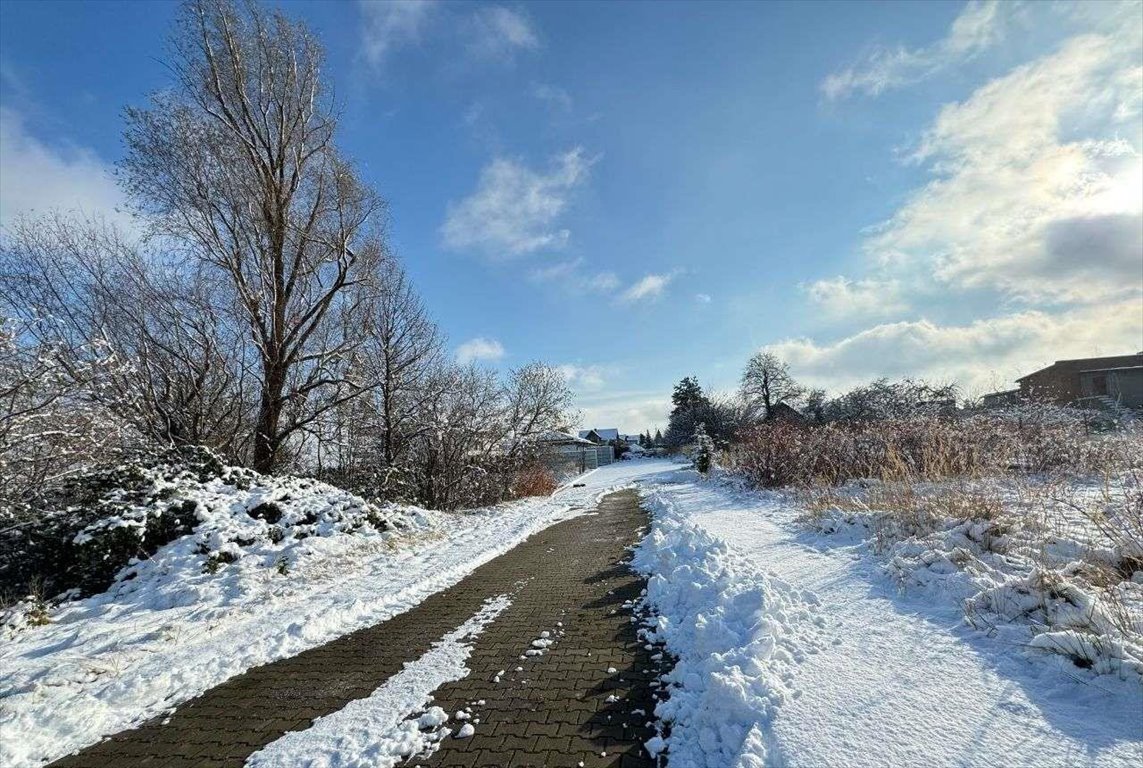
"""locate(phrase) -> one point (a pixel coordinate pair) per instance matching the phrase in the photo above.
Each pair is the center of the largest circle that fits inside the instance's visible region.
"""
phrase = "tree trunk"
(266, 437)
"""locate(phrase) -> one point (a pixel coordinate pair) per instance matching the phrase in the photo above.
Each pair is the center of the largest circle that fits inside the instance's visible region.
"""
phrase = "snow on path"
(899, 680)
(103, 667)
(378, 731)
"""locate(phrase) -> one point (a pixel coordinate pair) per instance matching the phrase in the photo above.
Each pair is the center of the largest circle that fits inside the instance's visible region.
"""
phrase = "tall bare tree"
(405, 346)
(365, 443)
(767, 382)
(238, 166)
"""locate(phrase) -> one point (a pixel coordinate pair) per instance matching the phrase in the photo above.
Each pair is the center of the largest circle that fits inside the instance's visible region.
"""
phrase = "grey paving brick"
(555, 712)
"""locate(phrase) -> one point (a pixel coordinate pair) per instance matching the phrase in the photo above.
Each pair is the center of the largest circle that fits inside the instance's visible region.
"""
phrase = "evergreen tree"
(687, 395)
(658, 439)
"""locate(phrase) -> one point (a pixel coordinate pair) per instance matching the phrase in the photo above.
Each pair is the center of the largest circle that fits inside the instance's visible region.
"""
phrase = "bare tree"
(767, 382)
(885, 399)
(537, 398)
(456, 453)
(49, 427)
(404, 347)
(238, 166)
(365, 443)
(85, 292)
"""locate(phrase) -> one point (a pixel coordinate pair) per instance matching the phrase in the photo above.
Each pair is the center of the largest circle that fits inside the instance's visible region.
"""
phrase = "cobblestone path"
(586, 700)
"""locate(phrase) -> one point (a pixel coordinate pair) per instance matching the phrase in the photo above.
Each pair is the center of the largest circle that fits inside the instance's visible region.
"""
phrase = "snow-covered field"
(797, 648)
(116, 659)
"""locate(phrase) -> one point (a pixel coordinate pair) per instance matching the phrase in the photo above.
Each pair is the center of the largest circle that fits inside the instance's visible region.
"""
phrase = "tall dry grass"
(1030, 440)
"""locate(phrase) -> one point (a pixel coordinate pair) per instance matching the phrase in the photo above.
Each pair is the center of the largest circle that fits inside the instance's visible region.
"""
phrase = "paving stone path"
(586, 700)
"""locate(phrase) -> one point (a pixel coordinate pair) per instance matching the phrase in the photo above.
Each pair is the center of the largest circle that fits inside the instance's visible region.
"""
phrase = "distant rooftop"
(611, 433)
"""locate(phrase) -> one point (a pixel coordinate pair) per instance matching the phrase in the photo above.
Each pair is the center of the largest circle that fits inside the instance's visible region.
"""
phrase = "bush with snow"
(1053, 565)
(1034, 438)
(101, 529)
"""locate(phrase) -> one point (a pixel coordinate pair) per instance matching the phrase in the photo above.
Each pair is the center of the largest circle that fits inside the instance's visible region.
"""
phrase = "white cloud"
(1037, 186)
(583, 377)
(553, 96)
(979, 26)
(1034, 203)
(496, 32)
(491, 33)
(479, 349)
(561, 270)
(514, 209)
(703, 298)
(602, 282)
(843, 297)
(648, 287)
(391, 24)
(473, 114)
(630, 412)
(573, 277)
(36, 178)
(980, 355)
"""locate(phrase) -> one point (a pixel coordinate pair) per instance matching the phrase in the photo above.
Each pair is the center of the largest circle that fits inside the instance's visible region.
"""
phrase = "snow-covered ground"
(793, 647)
(116, 659)
(799, 649)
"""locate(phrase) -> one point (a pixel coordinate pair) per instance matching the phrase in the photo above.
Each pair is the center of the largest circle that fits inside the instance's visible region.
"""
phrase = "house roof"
(604, 434)
(1002, 392)
(784, 411)
(1085, 361)
(555, 437)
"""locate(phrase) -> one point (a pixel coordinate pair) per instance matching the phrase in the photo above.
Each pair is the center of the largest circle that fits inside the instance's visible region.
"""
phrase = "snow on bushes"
(736, 633)
(1028, 516)
(103, 529)
(1050, 565)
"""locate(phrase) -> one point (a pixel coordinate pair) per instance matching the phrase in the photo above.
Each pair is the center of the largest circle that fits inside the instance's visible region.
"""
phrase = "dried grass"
(533, 480)
(1032, 440)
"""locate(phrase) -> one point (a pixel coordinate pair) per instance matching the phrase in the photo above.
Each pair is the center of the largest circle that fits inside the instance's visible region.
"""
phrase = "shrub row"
(775, 454)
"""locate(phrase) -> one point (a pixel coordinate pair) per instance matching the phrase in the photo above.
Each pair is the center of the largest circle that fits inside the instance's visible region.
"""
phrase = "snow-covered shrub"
(1052, 564)
(91, 530)
(78, 533)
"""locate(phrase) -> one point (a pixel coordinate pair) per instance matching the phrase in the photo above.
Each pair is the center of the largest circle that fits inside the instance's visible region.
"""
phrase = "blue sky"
(643, 191)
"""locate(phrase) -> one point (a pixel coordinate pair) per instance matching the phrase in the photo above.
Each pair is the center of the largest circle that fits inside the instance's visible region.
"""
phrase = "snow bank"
(899, 678)
(737, 635)
(393, 723)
